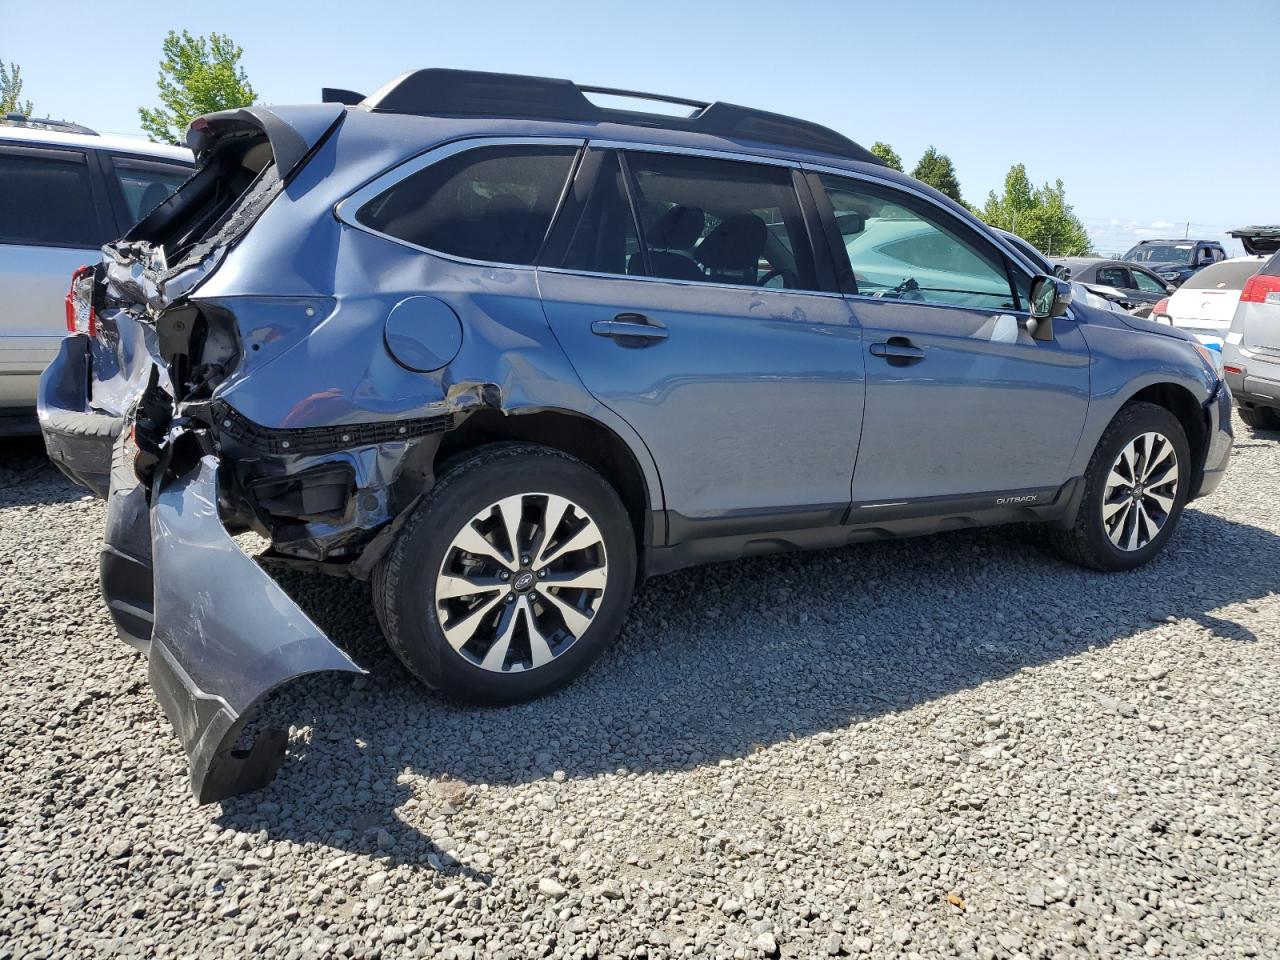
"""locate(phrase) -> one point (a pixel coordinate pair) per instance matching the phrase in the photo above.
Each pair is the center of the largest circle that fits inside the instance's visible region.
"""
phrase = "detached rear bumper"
(79, 439)
(225, 636)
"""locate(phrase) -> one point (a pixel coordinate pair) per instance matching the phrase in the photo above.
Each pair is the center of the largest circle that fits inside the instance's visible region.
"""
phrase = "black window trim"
(345, 210)
(120, 207)
(102, 211)
(815, 171)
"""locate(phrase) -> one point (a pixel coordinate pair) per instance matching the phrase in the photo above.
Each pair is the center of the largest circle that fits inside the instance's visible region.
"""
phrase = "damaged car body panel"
(290, 357)
(225, 636)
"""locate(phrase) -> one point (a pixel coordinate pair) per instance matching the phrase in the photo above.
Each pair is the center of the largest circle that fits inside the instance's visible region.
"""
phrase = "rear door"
(961, 400)
(53, 217)
(685, 292)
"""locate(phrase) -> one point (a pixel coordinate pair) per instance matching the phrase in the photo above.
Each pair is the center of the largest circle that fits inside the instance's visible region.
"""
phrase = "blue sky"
(1147, 112)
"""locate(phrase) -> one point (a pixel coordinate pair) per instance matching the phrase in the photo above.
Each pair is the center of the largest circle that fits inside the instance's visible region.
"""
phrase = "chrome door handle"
(629, 326)
(899, 351)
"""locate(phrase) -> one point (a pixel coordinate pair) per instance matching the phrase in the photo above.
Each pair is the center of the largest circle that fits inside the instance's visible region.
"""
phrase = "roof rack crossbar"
(637, 95)
(473, 93)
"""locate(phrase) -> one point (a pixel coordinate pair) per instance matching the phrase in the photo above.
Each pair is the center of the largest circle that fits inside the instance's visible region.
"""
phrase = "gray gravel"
(949, 746)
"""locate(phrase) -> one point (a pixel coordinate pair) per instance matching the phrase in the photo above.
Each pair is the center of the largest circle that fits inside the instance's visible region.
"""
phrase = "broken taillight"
(80, 315)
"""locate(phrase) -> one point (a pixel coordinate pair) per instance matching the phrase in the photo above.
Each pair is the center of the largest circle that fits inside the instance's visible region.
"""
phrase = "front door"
(702, 327)
(961, 400)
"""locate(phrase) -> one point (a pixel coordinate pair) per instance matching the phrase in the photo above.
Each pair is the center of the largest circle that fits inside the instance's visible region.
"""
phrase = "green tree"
(198, 75)
(11, 91)
(937, 170)
(888, 155)
(1040, 215)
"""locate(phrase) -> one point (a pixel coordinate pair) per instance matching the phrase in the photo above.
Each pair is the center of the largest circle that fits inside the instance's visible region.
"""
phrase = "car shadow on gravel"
(27, 477)
(724, 660)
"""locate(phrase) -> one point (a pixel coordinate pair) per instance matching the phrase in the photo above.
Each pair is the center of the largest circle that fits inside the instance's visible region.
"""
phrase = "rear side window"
(146, 183)
(492, 203)
(46, 199)
(720, 221)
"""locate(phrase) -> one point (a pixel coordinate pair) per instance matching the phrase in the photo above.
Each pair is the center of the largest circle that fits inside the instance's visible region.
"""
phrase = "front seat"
(731, 252)
(670, 243)
(155, 194)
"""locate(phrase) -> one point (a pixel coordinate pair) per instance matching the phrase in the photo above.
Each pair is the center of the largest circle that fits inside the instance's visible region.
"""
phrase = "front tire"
(1135, 488)
(510, 577)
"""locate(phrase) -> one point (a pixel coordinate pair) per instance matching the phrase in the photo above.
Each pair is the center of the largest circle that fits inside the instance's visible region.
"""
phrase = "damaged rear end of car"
(192, 444)
(255, 357)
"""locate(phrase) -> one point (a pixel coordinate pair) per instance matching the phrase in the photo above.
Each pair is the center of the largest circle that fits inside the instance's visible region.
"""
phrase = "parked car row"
(64, 191)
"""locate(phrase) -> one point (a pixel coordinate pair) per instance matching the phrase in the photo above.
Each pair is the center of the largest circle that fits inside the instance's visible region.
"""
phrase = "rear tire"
(485, 623)
(1128, 513)
(1260, 418)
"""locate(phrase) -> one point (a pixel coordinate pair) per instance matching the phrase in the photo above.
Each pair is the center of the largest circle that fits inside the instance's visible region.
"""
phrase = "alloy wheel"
(1140, 491)
(521, 582)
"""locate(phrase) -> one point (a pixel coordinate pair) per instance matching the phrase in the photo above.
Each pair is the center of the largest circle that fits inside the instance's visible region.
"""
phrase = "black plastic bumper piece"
(79, 439)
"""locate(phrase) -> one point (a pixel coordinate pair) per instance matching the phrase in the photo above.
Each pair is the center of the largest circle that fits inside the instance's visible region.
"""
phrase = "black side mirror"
(1050, 297)
(1170, 288)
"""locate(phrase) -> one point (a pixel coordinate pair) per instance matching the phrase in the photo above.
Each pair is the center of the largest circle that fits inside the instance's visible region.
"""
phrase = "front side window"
(147, 183)
(1147, 283)
(46, 199)
(492, 203)
(720, 221)
(900, 249)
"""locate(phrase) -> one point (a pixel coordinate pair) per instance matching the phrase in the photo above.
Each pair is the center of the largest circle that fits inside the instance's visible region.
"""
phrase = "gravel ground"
(954, 746)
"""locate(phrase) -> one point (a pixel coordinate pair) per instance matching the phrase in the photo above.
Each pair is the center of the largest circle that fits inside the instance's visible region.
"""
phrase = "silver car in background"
(64, 191)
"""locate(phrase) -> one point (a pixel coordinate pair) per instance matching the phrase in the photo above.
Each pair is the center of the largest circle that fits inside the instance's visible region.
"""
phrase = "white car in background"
(64, 191)
(1206, 302)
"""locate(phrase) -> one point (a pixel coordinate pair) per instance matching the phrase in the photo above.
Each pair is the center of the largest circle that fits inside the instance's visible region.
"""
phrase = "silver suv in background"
(1251, 350)
(64, 191)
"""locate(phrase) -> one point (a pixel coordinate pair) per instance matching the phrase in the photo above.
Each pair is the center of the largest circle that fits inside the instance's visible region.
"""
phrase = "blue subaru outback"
(504, 352)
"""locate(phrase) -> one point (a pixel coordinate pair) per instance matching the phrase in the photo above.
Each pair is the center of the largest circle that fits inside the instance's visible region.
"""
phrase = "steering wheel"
(788, 278)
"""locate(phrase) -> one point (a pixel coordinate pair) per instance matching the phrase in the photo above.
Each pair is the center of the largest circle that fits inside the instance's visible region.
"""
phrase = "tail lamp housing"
(80, 313)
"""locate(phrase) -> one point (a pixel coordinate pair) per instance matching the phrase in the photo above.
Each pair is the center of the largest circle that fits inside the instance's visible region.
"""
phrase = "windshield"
(1161, 253)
